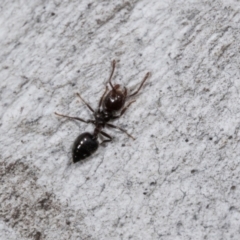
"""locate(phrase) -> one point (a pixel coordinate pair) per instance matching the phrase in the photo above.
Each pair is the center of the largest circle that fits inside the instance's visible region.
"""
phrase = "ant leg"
(124, 110)
(107, 136)
(143, 81)
(113, 126)
(110, 78)
(85, 103)
(75, 118)
(100, 102)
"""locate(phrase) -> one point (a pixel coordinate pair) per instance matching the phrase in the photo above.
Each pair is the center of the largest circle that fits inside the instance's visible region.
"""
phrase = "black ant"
(111, 102)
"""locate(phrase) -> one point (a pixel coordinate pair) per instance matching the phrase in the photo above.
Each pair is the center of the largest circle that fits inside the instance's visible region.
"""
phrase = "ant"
(111, 102)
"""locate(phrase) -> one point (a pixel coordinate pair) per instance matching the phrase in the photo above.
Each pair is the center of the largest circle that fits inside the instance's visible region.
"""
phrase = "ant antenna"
(110, 78)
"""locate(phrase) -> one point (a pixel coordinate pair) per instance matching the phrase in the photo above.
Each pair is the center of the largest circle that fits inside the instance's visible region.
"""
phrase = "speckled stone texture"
(179, 180)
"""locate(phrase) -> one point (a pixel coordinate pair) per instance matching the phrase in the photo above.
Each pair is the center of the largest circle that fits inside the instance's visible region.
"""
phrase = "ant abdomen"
(84, 146)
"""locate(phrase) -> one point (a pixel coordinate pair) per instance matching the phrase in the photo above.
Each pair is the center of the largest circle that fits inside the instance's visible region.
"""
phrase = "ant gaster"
(110, 103)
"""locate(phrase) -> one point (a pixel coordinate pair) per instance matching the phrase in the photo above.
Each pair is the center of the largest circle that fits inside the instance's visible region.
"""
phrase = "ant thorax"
(101, 117)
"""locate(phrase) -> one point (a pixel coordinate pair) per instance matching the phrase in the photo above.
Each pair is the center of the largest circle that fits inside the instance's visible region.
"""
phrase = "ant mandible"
(111, 102)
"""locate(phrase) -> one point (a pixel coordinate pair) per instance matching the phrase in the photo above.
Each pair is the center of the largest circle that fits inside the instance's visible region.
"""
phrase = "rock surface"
(179, 179)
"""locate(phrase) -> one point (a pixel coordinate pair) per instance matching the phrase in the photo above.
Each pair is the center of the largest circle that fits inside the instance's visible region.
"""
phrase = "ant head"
(116, 86)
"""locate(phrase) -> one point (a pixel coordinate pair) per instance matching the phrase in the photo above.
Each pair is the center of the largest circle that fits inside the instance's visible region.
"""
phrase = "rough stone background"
(179, 179)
